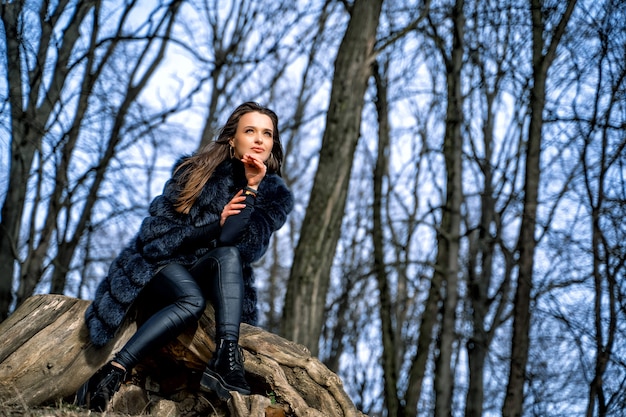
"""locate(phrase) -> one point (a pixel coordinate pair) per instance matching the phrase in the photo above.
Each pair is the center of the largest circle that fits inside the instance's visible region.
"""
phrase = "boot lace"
(235, 356)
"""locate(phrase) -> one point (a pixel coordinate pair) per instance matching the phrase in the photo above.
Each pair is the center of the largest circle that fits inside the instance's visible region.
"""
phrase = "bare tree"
(388, 333)
(542, 57)
(486, 209)
(446, 271)
(241, 52)
(305, 301)
(602, 155)
(299, 116)
(500, 84)
(48, 116)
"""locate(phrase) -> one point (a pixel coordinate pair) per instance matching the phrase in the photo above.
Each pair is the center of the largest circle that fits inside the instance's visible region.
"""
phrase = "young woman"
(213, 220)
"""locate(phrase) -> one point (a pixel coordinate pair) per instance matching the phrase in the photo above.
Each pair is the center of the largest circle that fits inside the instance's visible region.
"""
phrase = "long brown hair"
(200, 166)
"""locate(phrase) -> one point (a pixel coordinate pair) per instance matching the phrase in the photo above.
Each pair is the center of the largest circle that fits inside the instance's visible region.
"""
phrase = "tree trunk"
(305, 300)
(388, 332)
(448, 239)
(45, 355)
(480, 273)
(23, 147)
(514, 399)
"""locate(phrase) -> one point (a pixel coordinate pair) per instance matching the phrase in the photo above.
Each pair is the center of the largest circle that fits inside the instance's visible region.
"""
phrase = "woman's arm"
(235, 225)
(166, 232)
(272, 205)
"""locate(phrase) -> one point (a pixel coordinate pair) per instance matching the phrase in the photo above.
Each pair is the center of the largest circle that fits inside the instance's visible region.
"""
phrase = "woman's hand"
(255, 169)
(234, 206)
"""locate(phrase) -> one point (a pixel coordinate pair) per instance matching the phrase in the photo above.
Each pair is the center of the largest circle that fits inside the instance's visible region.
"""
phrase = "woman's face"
(254, 136)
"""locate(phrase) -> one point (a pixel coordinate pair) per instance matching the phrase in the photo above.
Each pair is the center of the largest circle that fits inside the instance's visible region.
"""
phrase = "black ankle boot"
(96, 393)
(225, 371)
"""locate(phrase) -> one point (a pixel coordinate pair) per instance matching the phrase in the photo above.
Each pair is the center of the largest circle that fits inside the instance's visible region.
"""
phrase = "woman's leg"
(220, 271)
(181, 304)
(220, 274)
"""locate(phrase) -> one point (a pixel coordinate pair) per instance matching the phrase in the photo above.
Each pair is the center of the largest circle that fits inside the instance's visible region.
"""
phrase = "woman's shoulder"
(216, 190)
(178, 164)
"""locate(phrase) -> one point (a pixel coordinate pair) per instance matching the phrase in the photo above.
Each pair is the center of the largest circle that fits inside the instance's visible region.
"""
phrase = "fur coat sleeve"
(274, 202)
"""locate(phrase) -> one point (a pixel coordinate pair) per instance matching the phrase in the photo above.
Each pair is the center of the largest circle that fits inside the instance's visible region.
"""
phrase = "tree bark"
(303, 314)
(45, 355)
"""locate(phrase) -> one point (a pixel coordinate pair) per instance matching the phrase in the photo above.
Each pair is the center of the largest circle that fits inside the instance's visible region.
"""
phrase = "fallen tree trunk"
(46, 355)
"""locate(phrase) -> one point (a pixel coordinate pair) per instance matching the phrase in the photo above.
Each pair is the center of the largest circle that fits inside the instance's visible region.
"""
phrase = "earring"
(231, 152)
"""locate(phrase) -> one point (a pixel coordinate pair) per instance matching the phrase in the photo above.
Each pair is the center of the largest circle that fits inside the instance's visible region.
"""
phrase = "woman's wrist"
(250, 190)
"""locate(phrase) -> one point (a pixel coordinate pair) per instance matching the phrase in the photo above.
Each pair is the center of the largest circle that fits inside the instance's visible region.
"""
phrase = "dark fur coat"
(161, 240)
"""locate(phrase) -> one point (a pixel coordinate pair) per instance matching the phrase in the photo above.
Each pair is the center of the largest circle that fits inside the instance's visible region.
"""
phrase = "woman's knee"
(229, 261)
(227, 253)
(221, 260)
(194, 304)
(183, 289)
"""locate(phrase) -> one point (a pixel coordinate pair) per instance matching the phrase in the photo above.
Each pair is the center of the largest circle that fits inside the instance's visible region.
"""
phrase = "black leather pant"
(181, 294)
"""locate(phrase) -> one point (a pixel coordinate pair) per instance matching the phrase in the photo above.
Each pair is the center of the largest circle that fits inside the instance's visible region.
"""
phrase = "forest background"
(457, 245)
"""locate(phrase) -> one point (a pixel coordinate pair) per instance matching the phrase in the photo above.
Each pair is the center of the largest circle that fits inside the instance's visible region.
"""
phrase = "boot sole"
(212, 381)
